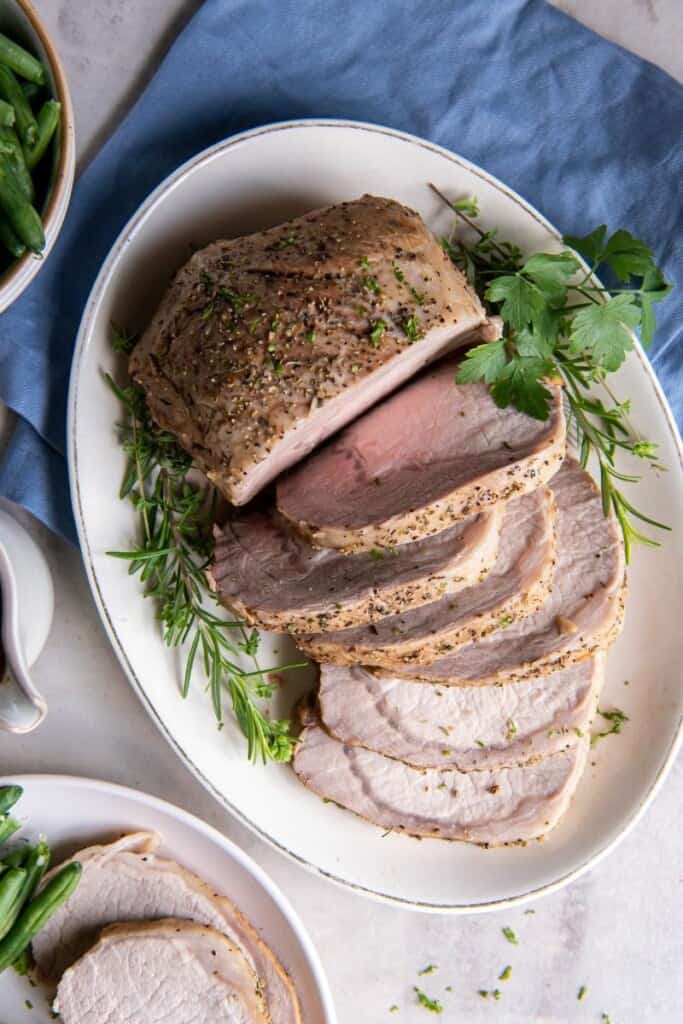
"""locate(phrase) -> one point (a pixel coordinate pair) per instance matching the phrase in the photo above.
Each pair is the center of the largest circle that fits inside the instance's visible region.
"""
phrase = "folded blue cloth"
(587, 132)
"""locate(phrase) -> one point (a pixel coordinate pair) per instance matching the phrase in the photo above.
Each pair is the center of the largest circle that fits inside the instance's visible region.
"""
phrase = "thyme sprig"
(559, 323)
(175, 548)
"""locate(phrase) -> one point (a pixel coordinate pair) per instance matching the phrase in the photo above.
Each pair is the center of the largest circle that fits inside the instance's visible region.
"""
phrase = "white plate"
(250, 182)
(74, 813)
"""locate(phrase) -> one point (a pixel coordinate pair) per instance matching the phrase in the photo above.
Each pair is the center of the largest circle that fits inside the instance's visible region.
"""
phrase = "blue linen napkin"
(584, 130)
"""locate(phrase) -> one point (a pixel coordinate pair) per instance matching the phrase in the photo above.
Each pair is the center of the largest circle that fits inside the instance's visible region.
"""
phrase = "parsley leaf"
(601, 331)
(550, 274)
(521, 385)
(521, 301)
(627, 255)
(484, 362)
(510, 936)
(589, 246)
(468, 205)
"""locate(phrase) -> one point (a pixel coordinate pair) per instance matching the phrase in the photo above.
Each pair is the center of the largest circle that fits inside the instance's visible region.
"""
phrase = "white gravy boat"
(26, 608)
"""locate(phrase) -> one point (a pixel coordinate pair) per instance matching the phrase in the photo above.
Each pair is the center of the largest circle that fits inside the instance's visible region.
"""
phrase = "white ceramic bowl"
(19, 20)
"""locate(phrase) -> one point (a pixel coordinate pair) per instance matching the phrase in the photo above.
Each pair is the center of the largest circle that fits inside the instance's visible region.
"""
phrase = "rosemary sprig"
(176, 545)
(558, 323)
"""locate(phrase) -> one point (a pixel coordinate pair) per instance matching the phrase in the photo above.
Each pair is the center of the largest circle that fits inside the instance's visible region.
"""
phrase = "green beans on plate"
(24, 905)
(29, 121)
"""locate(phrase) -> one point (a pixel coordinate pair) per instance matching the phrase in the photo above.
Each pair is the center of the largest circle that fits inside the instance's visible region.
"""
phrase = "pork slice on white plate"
(169, 971)
(266, 345)
(517, 585)
(128, 881)
(582, 615)
(465, 727)
(431, 454)
(275, 579)
(488, 807)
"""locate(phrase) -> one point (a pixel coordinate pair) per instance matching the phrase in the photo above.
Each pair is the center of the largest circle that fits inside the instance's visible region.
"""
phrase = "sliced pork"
(266, 345)
(463, 727)
(429, 455)
(275, 579)
(128, 881)
(504, 805)
(165, 972)
(518, 584)
(582, 615)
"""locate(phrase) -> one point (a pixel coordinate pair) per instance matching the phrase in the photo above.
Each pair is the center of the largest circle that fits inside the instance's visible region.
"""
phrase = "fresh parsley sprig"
(560, 324)
(176, 545)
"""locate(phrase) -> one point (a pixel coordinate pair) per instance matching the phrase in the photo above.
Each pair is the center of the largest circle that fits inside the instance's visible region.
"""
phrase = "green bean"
(8, 238)
(35, 866)
(9, 795)
(11, 91)
(22, 963)
(48, 119)
(11, 885)
(21, 61)
(38, 912)
(23, 218)
(7, 115)
(8, 826)
(16, 858)
(31, 90)
(11, 147)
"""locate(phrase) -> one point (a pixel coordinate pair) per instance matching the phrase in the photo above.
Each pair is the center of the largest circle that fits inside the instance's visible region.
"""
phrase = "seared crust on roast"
(275, 579)
(516, 586)
(434, 453)
(265, 345)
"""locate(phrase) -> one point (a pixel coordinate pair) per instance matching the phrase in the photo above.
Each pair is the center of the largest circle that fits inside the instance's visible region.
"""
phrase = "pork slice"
(433, 453)
(504, 805)
(264, 346)
(129, 881)
(583, 613)
(276, 579)
(464, 727)
(518, 583)
(165, 972)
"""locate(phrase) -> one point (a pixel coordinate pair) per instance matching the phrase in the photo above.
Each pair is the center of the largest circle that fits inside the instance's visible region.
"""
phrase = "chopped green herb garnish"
(505, 973)
(378, 329)
(310, 337)
(616, 717)
(480, 743)
(121, 341)
(504, 622)
(510, 936)
(284, 243)
(411, 328)
(483, 993)
(393, 1009)
(398, 274)
(581, 993)
(364, 262)
(605, 1018)
(512, 728)
(496, 993)
(377, 553)
(430, 969)
(429, 1004)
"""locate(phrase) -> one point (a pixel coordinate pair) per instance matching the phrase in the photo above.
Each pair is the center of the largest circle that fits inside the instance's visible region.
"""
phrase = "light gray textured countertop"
(619, 930)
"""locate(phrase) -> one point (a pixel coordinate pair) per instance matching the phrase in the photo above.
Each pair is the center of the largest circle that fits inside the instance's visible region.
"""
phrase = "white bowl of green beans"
(37, 148)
